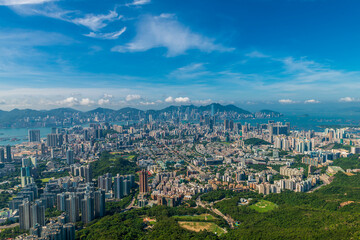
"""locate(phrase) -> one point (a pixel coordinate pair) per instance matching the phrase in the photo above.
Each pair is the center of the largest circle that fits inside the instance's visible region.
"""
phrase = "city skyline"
(151, 54)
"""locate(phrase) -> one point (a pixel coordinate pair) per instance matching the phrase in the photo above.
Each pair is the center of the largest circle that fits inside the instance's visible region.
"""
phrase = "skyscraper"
(43, 149)
(72, 208)
(8, 153)
(144, 187)
(99, 199)
(31, 214)
(61, 202)
(34, 135)
(2, 155)
(105, 181)
(24, 215)
(70, 157)
(118, 182)
(87, 208)
(37, 214)
(88, 173)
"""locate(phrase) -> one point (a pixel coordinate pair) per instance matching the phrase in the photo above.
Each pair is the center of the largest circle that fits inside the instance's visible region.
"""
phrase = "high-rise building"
(37, 214)
(61, 202)
(34, 135)
(25, 177)
(87, 209)
(99, 199)
(126, 187)
(144, 187)
(31, 214)
(118, 182)
(88, 173)
(24, 215)
(55, 140)
(70, 157)
(105, 181)
(72, 208)
(8, 153)
(2, 155)
(43, 149)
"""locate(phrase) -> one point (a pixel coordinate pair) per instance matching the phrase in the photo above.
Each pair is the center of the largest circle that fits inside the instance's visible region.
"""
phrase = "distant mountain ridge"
(207, 108)
(30, 117)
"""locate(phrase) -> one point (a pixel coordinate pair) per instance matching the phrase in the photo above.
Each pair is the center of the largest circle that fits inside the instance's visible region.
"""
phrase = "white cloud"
(139, 2)
(103, 101)
(97, 22)
(177, 100)
(70, 101)
(348, 99)
(312, 101)
(132, 97)
(256, 54)
(73, 101)
(165, 31)
(286, 101)
(182, 100)
(109, 36)
(169, 99)
(86, 102)
(22, 2)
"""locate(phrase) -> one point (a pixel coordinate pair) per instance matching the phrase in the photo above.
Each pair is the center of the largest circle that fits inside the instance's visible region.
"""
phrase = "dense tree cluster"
(256, 142)
(113, 164)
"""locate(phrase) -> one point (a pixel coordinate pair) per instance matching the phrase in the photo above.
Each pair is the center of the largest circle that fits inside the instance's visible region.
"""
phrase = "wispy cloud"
(256, 54)
(166, 32)
(109, 36)
(21, 38)
(96, 22)
(138, 2)
(190, 71)
(23, 2)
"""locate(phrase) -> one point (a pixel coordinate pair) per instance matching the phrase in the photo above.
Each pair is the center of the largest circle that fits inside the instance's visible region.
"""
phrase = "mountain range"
(15, 116)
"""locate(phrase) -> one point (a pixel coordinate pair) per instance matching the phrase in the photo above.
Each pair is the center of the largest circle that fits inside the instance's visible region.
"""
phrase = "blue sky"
(153, 53)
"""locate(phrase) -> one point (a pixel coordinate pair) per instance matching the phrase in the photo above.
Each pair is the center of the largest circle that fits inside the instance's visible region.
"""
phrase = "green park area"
(263, 206)
(45, 180)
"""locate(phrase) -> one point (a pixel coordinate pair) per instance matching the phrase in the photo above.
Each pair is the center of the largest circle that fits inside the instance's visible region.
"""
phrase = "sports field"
(200, 226)
(263, 206)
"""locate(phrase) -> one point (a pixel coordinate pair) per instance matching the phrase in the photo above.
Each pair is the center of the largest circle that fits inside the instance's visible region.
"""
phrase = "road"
(229, 220)
(130, 206)
(9, 226)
